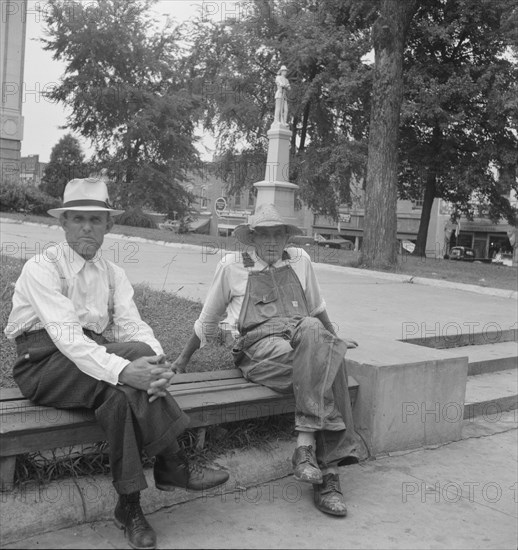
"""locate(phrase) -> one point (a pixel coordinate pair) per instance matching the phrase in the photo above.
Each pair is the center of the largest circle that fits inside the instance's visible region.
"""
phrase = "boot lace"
(331, 484)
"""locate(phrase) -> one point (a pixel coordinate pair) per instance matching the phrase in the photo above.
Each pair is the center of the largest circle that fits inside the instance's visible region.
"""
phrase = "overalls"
(282, 347)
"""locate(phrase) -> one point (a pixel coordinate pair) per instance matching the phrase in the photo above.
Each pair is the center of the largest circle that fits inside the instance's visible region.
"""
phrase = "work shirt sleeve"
(316, 303)
(41, 286)
(218, 298)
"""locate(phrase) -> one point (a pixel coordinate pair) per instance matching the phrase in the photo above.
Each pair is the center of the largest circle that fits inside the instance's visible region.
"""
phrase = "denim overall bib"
(282, 347)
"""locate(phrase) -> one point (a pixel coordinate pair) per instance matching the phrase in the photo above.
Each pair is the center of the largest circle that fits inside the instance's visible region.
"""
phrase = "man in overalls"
(283, 339)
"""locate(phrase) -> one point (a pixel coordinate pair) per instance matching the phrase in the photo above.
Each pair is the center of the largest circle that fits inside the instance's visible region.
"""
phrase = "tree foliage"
(458, 111)
(459, 117)
(126, 94)
(66, 163)
(233, 65)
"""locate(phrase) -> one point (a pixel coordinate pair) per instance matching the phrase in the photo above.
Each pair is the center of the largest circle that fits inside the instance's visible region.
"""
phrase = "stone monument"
(276, 188)
(13, 26)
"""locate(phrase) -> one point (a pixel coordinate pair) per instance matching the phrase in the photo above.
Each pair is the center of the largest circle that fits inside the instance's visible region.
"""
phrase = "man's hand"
(179, 365)
(158, 388)
(350, 343)
(151, 374)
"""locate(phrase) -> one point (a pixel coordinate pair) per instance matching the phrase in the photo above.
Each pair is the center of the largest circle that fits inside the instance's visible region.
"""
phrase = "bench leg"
(200, 438)
(7, 464)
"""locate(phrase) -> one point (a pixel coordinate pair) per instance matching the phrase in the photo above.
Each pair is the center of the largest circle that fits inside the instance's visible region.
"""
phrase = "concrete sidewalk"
(459, 495)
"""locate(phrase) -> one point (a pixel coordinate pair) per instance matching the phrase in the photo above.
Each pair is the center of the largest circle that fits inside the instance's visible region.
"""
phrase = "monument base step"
(489, 394)
(488, 357)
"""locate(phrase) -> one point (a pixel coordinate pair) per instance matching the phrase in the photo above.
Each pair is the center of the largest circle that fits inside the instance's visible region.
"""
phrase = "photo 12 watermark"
(451, 492)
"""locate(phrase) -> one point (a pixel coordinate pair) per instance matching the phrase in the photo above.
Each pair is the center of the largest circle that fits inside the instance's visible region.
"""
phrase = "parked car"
(170, 225)
(462, 253)
(335, 241)
(302, 240)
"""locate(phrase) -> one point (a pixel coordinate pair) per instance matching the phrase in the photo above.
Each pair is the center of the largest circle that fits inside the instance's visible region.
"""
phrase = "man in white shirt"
(283, 338)
(65, 302)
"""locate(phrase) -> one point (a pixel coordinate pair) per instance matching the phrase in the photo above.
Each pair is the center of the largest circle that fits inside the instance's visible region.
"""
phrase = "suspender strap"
(247, 260)
(111, 292)
(111, 287)
(63, 279)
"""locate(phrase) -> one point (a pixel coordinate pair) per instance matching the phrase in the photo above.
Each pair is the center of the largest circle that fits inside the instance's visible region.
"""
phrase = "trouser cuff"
(126, 487)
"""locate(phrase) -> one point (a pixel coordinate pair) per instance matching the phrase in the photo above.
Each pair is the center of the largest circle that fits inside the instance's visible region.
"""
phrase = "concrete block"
(412, 402)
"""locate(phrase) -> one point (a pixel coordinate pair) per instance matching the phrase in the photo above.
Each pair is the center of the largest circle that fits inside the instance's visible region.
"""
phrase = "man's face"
(269, 242)
(85, 231)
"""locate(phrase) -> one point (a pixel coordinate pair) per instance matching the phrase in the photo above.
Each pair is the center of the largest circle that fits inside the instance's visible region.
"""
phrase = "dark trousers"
(131, 424)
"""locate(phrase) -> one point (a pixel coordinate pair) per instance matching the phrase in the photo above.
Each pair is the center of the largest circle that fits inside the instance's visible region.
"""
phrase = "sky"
(43, 118)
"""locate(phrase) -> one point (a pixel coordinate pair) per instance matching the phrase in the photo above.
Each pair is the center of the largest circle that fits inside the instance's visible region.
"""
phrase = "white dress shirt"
(38, 302)
(228, 288)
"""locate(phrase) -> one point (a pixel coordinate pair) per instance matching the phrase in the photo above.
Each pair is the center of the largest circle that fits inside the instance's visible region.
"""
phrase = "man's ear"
(109, 224)
(63, 219)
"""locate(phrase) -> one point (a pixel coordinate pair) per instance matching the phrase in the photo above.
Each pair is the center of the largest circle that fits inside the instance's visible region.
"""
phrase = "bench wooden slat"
(174, 389)
(8, 394)
(206, 378)
(29, 417)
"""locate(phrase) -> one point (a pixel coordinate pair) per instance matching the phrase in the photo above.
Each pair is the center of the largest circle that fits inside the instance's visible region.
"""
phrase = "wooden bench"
(209, 398)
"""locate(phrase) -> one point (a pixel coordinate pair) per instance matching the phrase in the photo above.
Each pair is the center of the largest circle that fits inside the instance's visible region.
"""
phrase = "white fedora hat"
(89, 194)
(266, 215)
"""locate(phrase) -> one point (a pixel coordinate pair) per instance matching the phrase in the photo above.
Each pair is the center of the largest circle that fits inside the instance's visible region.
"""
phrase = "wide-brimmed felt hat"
(88, 195)
(283, 68)
(266, 215)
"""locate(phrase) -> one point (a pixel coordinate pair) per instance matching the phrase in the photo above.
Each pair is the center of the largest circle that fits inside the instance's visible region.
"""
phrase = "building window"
(237, 200)
(203, 197)
(251, 199)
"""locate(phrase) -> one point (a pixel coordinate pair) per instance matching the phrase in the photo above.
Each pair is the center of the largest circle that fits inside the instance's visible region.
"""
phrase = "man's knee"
(311, 327)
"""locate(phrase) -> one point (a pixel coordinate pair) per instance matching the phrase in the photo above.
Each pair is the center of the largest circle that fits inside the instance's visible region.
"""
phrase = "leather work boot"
(175, 471)
(328, 497)
(129, 516)
(305, 467)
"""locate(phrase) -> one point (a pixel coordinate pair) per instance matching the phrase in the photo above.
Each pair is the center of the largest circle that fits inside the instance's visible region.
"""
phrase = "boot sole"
(331, 512)
(120, 526)
(174, 487)
(307, 479)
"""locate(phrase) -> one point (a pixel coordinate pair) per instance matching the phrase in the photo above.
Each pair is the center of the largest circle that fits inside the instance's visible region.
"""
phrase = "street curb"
(35, 509)
(410, 279)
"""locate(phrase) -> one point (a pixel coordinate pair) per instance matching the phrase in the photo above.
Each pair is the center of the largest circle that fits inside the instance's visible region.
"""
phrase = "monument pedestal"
(276, 188)
(279, 193)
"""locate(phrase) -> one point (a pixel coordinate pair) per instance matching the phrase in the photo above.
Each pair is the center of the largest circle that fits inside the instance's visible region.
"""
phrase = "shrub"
(136, 218)
(19, 197)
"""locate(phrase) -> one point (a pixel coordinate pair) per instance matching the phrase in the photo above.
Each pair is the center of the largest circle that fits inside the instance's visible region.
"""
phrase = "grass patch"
(89, 460)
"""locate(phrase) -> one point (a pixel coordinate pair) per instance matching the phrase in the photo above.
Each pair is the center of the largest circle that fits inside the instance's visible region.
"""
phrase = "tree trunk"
(304, 131)
(430, 192)
(380, 224)
(422, 234)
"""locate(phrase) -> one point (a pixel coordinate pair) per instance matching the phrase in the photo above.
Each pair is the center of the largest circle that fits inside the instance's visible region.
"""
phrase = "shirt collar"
(261, 264)
(76, 261)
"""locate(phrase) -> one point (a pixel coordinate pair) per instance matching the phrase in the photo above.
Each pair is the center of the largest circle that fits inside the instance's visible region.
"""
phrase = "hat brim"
(56, 212)
(244, 233)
